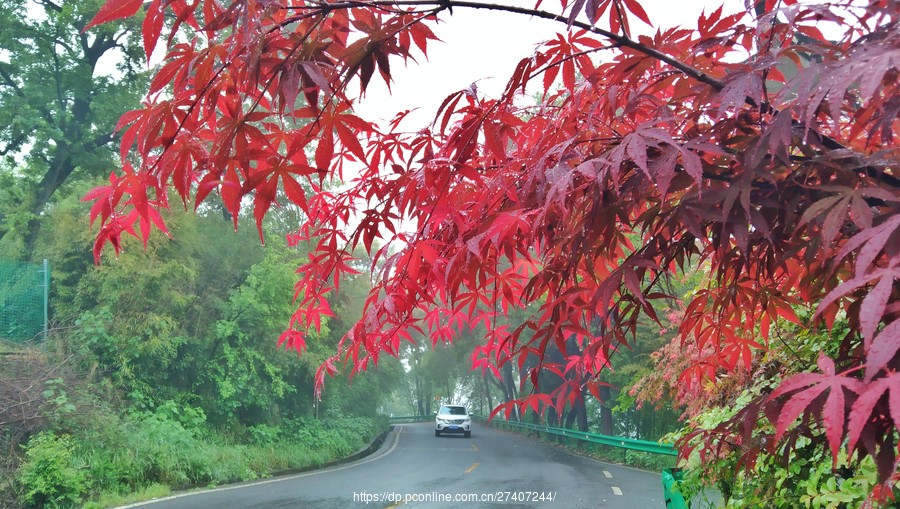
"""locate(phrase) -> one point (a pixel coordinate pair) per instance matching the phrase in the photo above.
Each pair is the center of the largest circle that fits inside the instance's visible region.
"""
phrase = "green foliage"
(58, 106)
(185, 333)
(49, 477)
(249, 376)
(195, 320)
(263, 434)
(631, 419)
(186, 386)
(647, 461)
(171, 447)
(342, 436)
(14, 218)
(56, 399)
(799, 475)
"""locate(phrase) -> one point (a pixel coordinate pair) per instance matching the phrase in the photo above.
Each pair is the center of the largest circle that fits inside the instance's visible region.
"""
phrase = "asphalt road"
(415, 469)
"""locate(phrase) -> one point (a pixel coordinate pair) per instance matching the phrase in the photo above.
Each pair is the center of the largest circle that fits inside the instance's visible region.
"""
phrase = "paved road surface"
(415, 469)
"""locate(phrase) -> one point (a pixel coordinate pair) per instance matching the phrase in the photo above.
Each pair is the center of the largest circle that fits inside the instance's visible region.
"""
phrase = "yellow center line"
(392, 506)
(475, 447)
(473, 467)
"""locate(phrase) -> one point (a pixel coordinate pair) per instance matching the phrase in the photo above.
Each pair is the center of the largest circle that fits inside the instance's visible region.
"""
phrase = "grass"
(634, 459)
(124, 460)
(116, 499)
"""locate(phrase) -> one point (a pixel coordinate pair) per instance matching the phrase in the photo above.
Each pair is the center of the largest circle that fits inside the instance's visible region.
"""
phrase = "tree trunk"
(606, 420)
(509, 388)
(487, 394)
(419, 396)
(578, 412)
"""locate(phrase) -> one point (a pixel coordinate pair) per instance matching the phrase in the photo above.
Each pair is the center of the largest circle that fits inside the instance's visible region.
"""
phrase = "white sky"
(485, 46)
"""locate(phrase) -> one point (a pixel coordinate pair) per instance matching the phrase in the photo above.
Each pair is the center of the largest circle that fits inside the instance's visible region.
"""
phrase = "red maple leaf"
(806, 390)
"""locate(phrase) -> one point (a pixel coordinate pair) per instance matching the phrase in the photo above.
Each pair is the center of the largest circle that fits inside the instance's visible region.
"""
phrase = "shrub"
(124, 455)
(48, 477)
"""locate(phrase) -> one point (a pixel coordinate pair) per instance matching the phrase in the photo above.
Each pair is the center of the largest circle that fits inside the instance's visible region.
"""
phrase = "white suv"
(453, 419)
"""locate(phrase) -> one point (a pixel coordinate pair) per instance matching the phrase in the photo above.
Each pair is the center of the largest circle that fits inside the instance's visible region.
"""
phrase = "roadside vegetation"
(168, 375)
(162, 368)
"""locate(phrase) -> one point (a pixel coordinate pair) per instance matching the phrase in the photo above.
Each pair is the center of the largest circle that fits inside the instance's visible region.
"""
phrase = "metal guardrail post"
(671, 480)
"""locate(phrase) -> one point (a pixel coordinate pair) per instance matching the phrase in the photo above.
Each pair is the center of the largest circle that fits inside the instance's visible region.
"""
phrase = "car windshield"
(453, 410)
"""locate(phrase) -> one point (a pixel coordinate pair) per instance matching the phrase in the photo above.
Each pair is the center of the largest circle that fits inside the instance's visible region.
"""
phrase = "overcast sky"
(485, 46)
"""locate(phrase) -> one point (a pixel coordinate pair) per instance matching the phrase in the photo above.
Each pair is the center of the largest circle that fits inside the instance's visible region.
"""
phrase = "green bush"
(806, 476)
(114, 456)
(648, 461)
(48, 476)
(263, 434)
(339, 437)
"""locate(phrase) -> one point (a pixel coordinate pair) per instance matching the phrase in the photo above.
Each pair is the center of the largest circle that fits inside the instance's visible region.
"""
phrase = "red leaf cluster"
(751, 145)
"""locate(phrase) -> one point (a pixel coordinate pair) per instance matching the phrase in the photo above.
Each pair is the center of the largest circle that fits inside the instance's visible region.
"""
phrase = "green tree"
(153, 333)
(196, 320)
(362, 394)
(243, 377)
(61, 93)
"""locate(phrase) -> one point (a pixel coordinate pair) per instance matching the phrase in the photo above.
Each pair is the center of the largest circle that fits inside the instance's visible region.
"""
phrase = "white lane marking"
(617, 491)
(607, 474)
(270, 481)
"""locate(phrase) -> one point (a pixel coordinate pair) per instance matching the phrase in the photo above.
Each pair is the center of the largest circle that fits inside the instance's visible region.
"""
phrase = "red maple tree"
(752, 144)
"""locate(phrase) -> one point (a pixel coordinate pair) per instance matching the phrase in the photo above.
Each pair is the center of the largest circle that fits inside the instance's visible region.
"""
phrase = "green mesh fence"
(23, 300)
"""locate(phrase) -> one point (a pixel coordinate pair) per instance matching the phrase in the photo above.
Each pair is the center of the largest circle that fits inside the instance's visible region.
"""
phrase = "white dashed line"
(617, 491)
(607, 474)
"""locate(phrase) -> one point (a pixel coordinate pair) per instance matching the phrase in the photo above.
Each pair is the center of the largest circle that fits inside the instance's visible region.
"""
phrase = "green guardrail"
(410, 418)
(671, 479)
(595, 438)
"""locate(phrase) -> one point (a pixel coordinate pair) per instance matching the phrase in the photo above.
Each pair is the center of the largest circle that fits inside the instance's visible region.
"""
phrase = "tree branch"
(9, 81)
(53, 6)
(14, 143)
(450, 4)
(48, 116)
